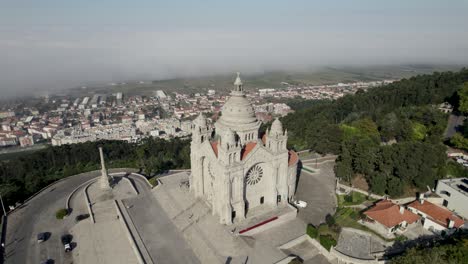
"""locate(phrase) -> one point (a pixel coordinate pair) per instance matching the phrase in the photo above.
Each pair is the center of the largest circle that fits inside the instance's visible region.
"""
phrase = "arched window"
(446, 193)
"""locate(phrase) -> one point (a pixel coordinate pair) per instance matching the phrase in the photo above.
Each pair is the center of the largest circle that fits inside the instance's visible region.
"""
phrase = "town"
(117, 117)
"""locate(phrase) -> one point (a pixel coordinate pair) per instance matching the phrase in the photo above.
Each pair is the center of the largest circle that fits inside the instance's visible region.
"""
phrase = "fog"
(59, 54)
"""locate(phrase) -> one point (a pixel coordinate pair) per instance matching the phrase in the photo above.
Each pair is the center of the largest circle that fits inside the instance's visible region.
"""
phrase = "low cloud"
(44, 60)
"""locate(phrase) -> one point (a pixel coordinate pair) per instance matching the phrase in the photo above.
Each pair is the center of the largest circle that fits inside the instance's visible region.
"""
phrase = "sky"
(51, 44)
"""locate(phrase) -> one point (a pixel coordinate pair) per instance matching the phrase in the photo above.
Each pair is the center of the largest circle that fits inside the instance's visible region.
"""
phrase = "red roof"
(388, 214)
(293, 158)
(247, 149)
(214, 146)
(439, 214)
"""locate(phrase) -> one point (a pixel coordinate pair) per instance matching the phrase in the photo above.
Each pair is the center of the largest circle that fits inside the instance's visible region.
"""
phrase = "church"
(233, 169)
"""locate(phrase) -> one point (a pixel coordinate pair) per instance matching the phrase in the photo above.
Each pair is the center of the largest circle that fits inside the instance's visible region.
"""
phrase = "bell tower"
(200, 136)
(276, 138)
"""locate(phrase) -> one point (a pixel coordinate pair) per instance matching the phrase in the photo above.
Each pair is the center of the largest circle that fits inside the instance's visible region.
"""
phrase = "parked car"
(41, 237)
(81, 217)
(300, 204)
(66, 240)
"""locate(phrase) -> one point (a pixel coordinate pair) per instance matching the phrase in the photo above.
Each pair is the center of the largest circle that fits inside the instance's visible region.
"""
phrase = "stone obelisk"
(104, 180)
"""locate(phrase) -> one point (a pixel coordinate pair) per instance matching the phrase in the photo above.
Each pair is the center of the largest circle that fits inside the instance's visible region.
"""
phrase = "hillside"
(392, 135)
(223, 83)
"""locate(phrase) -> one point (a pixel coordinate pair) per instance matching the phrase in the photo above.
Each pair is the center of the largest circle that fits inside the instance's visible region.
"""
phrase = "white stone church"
(236, 171)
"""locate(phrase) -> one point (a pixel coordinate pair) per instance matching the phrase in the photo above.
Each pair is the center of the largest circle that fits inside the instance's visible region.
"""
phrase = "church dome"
(238, 110)
(276, 127)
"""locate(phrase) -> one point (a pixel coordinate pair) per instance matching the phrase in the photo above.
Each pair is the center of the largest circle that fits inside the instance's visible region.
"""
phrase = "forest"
(452, 249)
(22, 176)
(392, 136)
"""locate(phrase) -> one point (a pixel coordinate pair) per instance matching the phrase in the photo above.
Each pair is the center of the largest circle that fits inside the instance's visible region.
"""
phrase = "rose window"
(254, 175)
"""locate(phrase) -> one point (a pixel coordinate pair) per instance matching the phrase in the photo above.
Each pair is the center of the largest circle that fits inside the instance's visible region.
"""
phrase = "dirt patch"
(360, 182)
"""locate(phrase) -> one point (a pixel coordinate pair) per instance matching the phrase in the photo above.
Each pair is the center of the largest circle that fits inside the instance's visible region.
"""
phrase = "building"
(455, 194)
(233, 169)
(26, 141)
(211, 92)
(435, 218)
(161, 95)
(390, 217)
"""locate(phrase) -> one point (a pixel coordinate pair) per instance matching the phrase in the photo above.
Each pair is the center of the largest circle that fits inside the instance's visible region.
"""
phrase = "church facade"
(234, 169)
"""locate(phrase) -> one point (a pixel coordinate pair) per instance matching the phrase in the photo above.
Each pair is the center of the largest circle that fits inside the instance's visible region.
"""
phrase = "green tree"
(459, 141)
(463, 95)
(343, 167)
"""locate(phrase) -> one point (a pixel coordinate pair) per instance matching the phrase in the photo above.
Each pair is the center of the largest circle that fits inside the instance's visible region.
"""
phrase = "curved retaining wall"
(76, 175)
(88, 202)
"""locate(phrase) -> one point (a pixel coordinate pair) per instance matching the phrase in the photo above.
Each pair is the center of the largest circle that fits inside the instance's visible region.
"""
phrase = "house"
(455, 194)
(390, 217)
(435, 218)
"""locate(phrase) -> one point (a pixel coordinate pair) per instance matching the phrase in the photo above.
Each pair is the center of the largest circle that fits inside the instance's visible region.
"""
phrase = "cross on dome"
(238, 82)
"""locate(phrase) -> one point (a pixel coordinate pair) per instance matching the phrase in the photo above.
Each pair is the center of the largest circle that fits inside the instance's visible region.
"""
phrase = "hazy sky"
(64, 43)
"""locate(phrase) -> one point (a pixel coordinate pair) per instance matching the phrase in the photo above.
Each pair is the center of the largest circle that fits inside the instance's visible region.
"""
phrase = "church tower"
(276, 139)
(200, 135)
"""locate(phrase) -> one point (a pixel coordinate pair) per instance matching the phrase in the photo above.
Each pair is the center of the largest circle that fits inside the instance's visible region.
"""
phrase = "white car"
(300, 204)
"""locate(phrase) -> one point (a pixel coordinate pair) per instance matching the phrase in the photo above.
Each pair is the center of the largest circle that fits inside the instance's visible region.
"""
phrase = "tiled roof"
(214, 146)
(437, 213)
(247, 149)
(388, 214)
(292, 158)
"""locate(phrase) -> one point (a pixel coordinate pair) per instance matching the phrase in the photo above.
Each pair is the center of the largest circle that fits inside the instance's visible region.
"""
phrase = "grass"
(308, 170)
(312, 231)
(153, 181)
(354, 198)
(61, 213)
(327, 241)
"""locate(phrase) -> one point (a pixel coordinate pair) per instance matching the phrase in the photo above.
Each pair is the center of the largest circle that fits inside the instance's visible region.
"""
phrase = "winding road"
(38, 215)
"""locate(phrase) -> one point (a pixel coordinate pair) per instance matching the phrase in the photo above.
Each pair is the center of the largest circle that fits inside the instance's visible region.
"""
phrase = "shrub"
(295, 261)
(61, 213)
(348, 198)
(153, 181)
(312, 231)
(330, 220)
(327, 241)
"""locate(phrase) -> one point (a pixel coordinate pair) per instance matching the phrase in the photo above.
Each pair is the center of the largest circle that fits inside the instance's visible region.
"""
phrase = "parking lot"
(38, 215)
(318, 190)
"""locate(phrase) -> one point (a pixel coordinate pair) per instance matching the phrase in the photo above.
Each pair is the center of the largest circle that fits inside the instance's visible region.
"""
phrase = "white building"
(435, 218)
(233, 169)
(455, 194)
(211, 92)
(161, 94)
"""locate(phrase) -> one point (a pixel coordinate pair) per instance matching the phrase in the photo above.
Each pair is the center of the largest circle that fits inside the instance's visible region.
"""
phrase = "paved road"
(453, 122)
(164, 242)
(38, 215)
